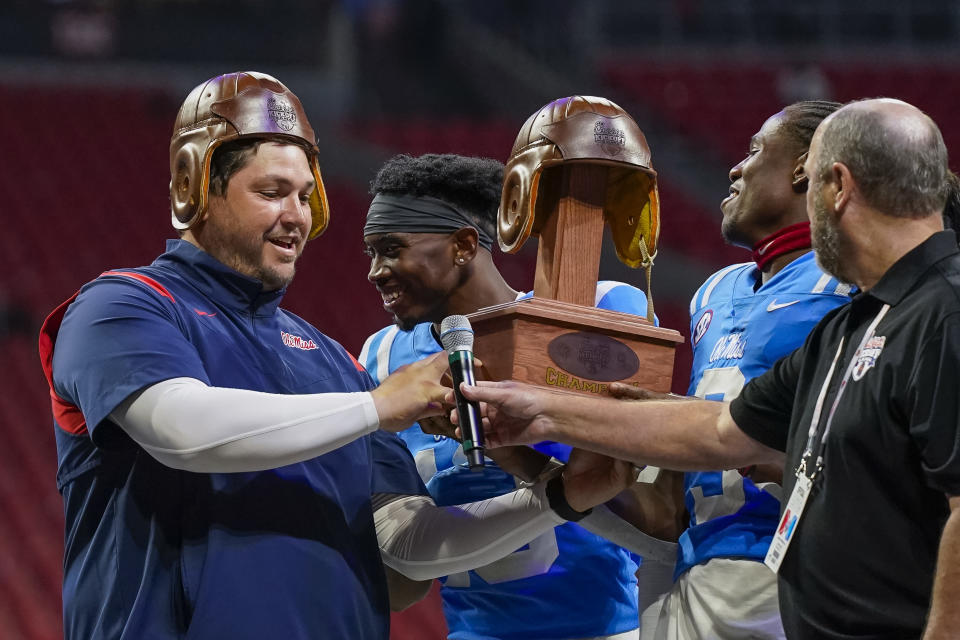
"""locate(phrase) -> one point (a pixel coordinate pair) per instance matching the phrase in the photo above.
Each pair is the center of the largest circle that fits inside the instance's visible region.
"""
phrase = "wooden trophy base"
(571, 347)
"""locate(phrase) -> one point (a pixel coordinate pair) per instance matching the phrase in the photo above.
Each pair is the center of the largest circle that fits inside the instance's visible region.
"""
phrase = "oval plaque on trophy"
(593, 356)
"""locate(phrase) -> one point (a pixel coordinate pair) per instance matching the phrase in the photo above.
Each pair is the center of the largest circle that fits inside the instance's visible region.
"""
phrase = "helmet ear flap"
(187, 187)
(515, 217)
(633, 213)
(319, 206)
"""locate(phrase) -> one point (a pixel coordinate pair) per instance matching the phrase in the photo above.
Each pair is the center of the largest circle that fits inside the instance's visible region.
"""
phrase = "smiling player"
(742, 320)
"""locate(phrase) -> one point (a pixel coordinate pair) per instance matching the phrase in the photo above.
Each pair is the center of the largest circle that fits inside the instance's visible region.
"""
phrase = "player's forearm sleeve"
(188, 425)
(606, 524)
(424, 541)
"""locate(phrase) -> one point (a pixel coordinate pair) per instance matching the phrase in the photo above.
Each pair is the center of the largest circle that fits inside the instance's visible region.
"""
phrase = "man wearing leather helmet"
(192, 411)
(220, 458)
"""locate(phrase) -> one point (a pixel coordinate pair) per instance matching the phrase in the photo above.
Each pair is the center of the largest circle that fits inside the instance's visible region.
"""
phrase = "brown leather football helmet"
(589, 130)
(235, 105)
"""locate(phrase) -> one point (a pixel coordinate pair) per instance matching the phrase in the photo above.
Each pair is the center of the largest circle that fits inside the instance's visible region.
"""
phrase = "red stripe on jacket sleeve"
(68, 415)
(356, 363)
(150, 282)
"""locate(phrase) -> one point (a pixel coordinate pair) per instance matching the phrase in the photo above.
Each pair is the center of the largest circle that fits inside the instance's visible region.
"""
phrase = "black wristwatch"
(557, 499)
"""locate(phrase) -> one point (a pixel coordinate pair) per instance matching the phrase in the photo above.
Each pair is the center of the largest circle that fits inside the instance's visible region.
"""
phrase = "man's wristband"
(557, 499)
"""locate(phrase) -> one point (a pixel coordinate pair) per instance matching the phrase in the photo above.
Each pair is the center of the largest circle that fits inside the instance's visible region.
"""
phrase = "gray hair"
(899, 171)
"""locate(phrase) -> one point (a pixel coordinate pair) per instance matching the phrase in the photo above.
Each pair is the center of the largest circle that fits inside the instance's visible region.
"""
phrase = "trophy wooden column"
(557, 338)
(568, 259)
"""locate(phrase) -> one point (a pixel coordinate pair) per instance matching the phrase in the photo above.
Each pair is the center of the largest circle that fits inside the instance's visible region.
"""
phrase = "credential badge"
(868, 356)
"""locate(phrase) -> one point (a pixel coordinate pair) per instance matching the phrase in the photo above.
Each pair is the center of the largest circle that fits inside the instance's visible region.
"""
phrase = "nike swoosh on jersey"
(773, 306)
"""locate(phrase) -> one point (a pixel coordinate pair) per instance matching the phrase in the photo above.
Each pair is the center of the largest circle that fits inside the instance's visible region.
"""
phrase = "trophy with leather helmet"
(578, 163)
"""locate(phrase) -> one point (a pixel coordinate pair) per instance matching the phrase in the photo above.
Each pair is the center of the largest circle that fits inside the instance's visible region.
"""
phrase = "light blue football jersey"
(737, 332)
(568, 582)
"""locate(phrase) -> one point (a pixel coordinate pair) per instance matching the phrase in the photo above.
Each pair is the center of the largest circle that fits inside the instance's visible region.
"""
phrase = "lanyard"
(818, 408)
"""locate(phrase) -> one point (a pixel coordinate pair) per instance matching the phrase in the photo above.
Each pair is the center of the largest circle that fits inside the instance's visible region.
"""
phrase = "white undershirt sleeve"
(608, 525)
(185, 424)
(423, 541)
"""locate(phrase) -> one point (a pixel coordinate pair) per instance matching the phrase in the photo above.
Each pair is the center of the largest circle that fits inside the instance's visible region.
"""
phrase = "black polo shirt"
(862, 559)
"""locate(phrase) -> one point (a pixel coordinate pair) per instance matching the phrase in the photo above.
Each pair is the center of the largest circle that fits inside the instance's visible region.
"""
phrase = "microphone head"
(456, 334)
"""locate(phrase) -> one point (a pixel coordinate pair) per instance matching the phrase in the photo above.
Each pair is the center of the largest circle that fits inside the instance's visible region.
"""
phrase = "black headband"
(391, 213)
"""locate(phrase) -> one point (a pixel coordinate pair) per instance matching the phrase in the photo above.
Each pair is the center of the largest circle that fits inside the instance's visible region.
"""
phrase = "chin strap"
(790, 238)
(648, 267)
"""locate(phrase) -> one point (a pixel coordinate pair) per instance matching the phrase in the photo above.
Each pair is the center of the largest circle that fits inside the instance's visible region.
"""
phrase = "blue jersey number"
(533, 560)
(723, 383)
(725, 493)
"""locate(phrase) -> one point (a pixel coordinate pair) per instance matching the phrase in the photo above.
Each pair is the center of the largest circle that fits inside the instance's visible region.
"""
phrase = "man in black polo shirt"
(865, 416)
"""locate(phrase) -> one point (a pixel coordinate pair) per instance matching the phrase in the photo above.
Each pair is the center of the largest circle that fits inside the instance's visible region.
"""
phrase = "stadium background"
(89, 90)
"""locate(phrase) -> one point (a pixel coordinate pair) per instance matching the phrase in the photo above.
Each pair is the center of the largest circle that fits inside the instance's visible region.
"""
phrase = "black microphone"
(456, 336)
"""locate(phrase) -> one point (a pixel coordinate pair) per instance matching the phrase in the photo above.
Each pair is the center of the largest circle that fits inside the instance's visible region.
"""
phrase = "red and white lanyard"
(801, 490)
